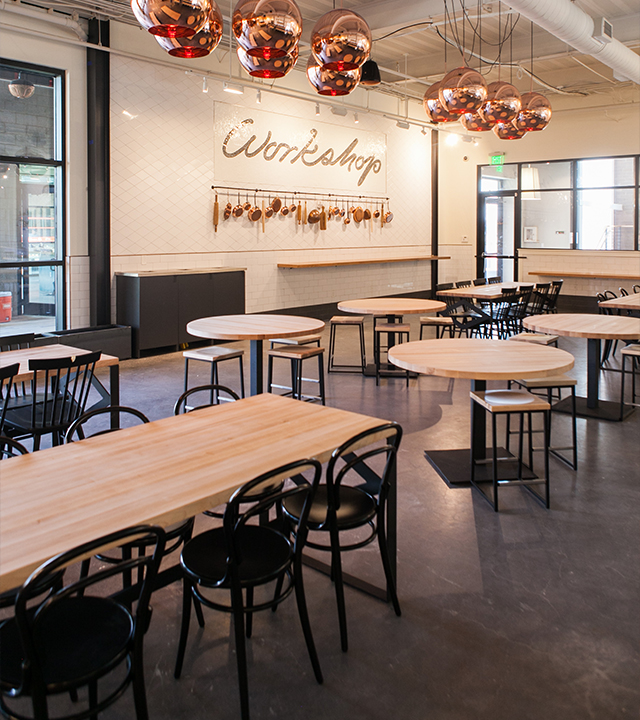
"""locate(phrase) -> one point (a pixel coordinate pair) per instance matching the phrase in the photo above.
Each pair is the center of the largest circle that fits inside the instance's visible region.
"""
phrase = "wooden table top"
(161, 472)
(390, 306)
(47, 352)
(480, 359)
(480, 292)
(596, 327)
(253, 327)
(629, 302)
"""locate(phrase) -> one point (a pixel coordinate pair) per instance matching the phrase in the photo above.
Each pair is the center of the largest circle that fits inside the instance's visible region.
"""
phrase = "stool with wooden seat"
(346, 321)
(500, 402)
(296, 355)
(557, 382)
(537, 338)
(298, 340)
(633, 352)
(399, 330)
(439, 323)
(214, 355)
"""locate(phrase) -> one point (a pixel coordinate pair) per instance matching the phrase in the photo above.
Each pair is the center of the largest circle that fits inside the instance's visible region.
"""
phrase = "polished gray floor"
(526, 613)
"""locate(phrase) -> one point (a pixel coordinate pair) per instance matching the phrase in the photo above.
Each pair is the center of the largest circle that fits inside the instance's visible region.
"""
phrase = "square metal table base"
(454, 467)
(606, 409)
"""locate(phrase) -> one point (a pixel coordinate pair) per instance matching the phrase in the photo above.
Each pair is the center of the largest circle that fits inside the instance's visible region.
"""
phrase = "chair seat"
(555, 381)
(347, 320)
(299, 340)
(296, 353)
(436, 321)
(78, 637)
(264, 554)
(392, 327)
(212, 354)
(356, 508)
(20, 417)
(502, 401)
(537, 338)
(633, 350)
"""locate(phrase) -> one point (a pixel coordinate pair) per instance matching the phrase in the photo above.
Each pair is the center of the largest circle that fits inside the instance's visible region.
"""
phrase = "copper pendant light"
(272, 68)
(171, 18)
(267, 28)
(535, 114)
(502, 105)
(463, 90)
(433, 107)
(332, 82)
(341, 40)
(475, 122)
(21, 89)
(200, 44)
(508, 131)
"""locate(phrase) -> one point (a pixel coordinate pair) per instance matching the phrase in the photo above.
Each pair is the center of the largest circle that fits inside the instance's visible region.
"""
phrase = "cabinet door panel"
(229, 293)
(158, 311)
(196, 300)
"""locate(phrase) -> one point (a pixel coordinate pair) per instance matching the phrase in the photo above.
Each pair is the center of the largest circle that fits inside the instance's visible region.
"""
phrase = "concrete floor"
(526, 613)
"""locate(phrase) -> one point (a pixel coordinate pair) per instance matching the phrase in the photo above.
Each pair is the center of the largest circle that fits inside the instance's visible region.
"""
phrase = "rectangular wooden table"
(160, 472)
(49, 352)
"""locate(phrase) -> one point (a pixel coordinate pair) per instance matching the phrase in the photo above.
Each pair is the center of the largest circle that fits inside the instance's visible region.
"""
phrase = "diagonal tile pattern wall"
(162, 170)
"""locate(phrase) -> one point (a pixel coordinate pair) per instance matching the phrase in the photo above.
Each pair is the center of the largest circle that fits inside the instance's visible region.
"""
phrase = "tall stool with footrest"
(337, 321)
(296, 355)
(213, 355)
(401, 330)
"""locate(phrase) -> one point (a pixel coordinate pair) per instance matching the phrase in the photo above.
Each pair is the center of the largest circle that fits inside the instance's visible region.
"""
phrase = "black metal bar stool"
(296, 355)
(557, 382)
(500, 402)
(213, 355)
(633, 352)
(398, 331)
(346, 321)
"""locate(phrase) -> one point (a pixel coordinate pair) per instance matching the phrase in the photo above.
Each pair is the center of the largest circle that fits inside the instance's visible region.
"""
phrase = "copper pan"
(314, 217)
(366, 215)
(358, 214)
(276, 204)
(388, 217)
(269, 211)
(254, 213)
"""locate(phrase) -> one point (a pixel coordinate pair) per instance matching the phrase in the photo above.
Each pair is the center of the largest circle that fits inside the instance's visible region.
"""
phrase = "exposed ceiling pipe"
(50, 17)
(572, 25)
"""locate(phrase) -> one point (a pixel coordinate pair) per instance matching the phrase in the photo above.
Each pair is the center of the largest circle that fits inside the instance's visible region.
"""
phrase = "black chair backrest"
(494, 280)
(479, 281)
(463, 284)
(623, 292)
(509, 291)
(636, 288)
(29, 621)
(444, 286)
(60, 390)
(11, 448)
(78, 431)
(538, 300)
(7, 374)
(353, 456)
(465, 315)
(182, 406)
(256, 497)
(609, 295)
(16, 342)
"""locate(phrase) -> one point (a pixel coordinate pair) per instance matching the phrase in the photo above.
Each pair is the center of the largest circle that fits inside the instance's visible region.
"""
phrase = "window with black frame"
(31, 199)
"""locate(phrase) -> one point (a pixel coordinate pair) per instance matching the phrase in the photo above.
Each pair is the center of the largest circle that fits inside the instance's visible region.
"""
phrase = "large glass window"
(31, 184)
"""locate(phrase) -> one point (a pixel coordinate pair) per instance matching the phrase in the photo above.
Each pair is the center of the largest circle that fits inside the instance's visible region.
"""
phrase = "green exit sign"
(497, 159)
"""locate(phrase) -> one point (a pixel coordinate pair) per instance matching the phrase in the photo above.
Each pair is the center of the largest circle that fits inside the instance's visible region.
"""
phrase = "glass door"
(497, 253)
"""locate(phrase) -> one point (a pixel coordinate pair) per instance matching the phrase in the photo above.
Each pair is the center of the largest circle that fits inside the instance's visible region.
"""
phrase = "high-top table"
(492, 291)
(595, 328)
(56, 351)
(255, 328)
(391, 307)
(478, 360)
(160, 472)
(624, 302)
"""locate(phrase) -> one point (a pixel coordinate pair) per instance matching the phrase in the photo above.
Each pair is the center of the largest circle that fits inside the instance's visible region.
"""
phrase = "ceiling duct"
(575, 27)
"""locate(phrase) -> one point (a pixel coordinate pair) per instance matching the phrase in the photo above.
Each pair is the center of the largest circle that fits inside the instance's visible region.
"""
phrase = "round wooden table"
(391, 307)
(595, 328)
(478, 360)
(255, 328)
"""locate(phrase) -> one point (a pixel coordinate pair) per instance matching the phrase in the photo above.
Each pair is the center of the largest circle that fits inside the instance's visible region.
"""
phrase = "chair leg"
(270, 374)
(241, 650)
(321, 377)
(363, 353)
(332, 341)
(494, 456)
(93, 698)
(574, 429)
(139, 693)
(386, 564)
(186, 374)
(241, 377)
(336, 573)
(301, 601)
(248, 613)
(184, 627)
(624, 362)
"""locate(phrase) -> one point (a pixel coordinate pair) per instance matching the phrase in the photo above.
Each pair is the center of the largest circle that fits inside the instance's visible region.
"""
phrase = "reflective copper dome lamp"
(332, 82)
(275, 67)
(199, 45)
(341, 40)
(434, 109)
(267, 28)
(172, 18)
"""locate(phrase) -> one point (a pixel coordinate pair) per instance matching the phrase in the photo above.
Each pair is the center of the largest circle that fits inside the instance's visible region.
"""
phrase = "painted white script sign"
(262, 150)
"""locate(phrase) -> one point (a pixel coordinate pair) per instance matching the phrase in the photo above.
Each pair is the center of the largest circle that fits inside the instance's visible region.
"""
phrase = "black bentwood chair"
(214, 390)
(339, 507)
(76, 635)
(241, 556)
(7, 374)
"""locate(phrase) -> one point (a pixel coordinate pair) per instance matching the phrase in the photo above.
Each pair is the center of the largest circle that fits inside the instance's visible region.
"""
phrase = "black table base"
(454, 467)
(604, 410)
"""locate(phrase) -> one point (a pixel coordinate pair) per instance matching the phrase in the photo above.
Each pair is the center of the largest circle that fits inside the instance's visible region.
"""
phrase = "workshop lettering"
(280, 151)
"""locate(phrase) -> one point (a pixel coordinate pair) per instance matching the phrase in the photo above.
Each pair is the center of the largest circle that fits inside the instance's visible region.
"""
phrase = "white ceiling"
(419, 51)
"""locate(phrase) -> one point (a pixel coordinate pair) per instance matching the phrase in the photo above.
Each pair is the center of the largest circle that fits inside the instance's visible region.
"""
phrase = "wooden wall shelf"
(336, 263)
(587, 274)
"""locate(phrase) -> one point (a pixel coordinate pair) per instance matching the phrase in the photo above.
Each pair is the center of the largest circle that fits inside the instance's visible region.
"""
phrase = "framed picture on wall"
(530, 234)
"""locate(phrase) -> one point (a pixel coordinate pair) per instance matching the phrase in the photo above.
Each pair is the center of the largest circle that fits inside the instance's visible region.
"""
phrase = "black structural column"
(435, 151)
(98, 189)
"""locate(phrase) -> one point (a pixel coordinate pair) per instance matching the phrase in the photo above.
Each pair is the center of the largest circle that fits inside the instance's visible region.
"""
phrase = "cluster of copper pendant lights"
(267, 33)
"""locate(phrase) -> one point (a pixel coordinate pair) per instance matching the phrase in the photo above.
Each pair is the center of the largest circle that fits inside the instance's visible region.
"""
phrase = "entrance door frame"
(480, 228)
